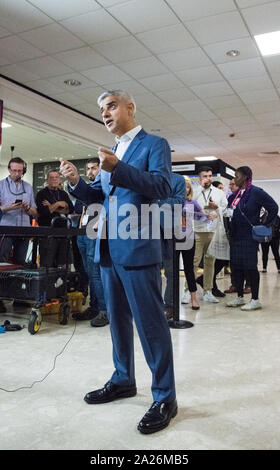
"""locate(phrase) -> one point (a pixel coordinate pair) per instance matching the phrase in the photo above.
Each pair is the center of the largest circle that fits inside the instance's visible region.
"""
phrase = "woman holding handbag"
(244, 214)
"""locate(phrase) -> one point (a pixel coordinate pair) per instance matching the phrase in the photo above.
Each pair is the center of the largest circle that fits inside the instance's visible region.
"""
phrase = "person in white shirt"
(211, 200)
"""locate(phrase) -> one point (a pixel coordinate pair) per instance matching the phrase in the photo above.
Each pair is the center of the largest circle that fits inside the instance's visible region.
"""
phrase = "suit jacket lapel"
(128, 154)
(133, 146)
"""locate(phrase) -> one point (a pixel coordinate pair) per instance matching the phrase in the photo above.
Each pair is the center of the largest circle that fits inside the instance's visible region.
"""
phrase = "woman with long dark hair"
(244, 211)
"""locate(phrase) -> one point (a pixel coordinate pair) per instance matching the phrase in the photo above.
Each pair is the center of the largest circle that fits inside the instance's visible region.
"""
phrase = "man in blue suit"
(136, 174)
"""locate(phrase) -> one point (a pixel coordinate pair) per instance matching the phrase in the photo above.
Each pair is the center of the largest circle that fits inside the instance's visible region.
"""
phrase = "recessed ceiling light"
(233, 53)
(72, 82)
(206, 158)
(269, 43)
(5, 125)
(40, 159)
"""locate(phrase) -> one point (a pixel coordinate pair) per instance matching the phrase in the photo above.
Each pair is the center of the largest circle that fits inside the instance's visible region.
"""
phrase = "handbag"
(260, 233)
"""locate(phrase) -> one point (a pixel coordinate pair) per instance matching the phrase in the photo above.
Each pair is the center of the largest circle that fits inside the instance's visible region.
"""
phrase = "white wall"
(272, 187)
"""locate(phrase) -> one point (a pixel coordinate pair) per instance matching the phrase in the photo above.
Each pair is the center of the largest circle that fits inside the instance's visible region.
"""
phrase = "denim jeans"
(87, 248)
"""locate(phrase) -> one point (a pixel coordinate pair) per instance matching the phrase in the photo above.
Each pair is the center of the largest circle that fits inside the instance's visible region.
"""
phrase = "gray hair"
(123, 95)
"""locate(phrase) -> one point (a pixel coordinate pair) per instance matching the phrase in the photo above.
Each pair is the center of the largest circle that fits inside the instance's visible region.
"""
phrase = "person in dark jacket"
(274, 243)
(244, 212)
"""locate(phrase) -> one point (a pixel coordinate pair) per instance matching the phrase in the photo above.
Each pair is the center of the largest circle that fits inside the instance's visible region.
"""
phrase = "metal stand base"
(180, 324)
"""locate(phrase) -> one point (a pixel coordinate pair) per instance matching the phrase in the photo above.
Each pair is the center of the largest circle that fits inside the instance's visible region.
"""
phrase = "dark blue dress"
(243, 249)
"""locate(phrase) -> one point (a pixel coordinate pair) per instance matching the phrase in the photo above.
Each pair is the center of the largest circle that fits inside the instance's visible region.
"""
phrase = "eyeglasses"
(16, 171)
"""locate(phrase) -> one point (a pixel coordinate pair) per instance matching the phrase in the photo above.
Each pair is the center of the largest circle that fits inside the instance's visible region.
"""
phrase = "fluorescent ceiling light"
(269, 43)
(5, 125)
(206, 159)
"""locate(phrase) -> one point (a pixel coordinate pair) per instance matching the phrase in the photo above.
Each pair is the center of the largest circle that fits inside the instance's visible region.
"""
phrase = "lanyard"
(236, 199)
(208, 197)
(15, 194)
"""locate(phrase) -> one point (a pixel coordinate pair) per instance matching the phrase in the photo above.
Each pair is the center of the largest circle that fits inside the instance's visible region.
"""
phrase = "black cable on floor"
(48, 373)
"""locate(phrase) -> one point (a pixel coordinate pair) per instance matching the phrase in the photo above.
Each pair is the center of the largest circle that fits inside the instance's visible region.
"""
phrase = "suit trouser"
(202, 242)
(134, 293)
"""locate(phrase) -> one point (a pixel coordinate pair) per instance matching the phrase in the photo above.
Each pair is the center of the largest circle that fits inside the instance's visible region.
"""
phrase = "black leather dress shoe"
(110, 392)
(158, 417)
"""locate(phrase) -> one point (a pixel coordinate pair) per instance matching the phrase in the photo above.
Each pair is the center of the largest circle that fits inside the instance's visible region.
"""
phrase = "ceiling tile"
(69, 98)
(250, 3)
(219, 102)
(243, 68)
(218, 28)
(110, 3)
(263, 18)
(239, 122)
(150, 15)
(122, 49)
(106, 74)
(258, 96)
(233, 111)
(262, 107)
(45, 67)
(276, 79)
(251, 83)
(161, 82)
(4, 32)
(146, 99)
(21, 16)
(95, 27)
(194, 110)
(45, 87)
(168, 39)
(268, 117)
(142, 68)
(172, 118)
(273, 63)
(246, 47)
(52, 38)
(212, 89)
(59, 81)
(65, 8)
(90, 94)
(200, 75)
(185, 59)
(81, 59)
(158, 110)
(176, 95)
(193, 9)
(18, 73)
(14, 49)
(132, 86)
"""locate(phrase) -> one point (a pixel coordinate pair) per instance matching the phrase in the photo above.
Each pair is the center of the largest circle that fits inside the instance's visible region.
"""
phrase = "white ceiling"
(171, 55)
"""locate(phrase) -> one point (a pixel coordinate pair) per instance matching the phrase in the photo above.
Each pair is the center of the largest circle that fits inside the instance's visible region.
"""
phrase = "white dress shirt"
(125, 140)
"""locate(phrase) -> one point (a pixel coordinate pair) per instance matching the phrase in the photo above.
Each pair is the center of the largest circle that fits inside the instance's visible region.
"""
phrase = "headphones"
(18, 160)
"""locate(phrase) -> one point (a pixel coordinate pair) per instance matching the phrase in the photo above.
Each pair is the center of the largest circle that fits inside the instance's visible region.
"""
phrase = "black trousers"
(188, 256)
(274, 244)
(252, 275)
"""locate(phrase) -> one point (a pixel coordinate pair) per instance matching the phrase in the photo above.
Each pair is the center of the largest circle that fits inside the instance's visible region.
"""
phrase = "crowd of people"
(124, 273)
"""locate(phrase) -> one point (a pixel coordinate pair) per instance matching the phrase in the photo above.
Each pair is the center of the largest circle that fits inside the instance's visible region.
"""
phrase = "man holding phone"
(17, 206)
(213, 201)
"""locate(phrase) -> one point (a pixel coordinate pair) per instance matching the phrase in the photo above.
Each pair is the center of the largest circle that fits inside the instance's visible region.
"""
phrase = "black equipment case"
(39, 284)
